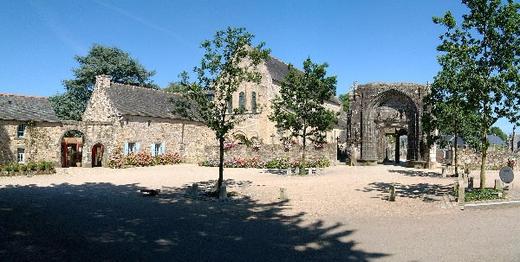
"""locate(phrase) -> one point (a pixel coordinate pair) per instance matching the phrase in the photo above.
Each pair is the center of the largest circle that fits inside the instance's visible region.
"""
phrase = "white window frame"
(20, 156)
(18, 131)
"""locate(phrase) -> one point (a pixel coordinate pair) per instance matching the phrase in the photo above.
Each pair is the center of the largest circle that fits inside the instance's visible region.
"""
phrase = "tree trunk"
(220, 164)
(456, 157)
(485, 146)
(302, 164)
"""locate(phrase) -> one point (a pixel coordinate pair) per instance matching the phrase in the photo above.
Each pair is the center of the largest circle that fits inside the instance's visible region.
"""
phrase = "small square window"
(20, 132)
(20, 155)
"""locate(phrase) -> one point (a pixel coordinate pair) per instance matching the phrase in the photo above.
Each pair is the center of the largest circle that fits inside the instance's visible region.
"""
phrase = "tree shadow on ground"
(425, 191)
(415, 173)
(102, 221)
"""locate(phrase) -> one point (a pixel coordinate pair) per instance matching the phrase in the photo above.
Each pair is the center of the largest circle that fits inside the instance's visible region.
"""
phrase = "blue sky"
(363, 41)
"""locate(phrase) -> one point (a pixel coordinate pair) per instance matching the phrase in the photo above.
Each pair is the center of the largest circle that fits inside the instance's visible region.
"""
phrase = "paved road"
(471, 235)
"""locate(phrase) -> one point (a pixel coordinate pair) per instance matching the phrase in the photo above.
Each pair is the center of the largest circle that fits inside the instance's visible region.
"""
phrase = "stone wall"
(186, 138)
(269, 152)
(496, 159)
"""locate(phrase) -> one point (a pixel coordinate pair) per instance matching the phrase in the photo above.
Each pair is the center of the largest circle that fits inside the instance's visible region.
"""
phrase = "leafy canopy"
(100, 60)
(480, 60)
(299, 108)
(229, 61)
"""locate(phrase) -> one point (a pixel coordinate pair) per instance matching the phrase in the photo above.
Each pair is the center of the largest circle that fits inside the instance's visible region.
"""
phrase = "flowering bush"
(229, 145)
(276, 163)
(118, 160)
(169, 159)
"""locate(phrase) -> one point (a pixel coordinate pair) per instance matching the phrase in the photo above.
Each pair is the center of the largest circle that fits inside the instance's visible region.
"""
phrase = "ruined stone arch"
(381, 112)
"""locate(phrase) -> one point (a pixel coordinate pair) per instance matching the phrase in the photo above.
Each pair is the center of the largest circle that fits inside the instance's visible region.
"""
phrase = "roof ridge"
(392, 83)
(27, 96)
(141, 87)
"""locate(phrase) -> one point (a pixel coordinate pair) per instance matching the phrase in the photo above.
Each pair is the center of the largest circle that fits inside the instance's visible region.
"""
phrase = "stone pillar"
(397, 148)
(102, 81)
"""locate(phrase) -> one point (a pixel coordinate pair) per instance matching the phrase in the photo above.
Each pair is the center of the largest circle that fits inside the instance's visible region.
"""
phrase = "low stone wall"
(269, 152)
(496, 159)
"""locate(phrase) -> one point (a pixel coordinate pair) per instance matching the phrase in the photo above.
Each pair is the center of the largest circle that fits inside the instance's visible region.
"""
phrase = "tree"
(100, 60)
(495, 130)
(229, 61)
(178, 86)
(345, 102)
(299, 106)
(485, 53)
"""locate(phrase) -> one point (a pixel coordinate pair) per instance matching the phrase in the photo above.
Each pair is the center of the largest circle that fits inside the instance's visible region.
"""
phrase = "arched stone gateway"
(385, 122)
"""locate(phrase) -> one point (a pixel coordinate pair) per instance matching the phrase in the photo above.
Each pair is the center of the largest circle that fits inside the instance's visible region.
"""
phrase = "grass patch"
(483, 194)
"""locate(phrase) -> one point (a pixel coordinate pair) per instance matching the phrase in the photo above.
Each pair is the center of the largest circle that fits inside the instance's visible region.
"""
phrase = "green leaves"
(299, 109)
(229, 60)
(100, 60)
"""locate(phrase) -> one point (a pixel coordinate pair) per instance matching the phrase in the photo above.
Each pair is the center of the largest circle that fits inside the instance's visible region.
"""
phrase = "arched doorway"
(72, 148)
(97, 155)
(390, 129)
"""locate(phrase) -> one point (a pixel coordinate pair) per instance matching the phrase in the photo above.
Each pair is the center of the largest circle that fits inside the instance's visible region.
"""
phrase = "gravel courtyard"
(340, 214)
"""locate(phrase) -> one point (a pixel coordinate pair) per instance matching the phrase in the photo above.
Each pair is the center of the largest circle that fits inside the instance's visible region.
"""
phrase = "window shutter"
(137, 147)
(126, 148)
(152, 149)
(163, 148)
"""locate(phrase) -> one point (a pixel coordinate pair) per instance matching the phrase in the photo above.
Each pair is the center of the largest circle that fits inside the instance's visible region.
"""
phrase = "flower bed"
(276, 163)
(119, 160)
(29, 169)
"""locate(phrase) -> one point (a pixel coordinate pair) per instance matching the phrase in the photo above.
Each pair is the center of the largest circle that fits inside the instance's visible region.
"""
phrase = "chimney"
(102, 82)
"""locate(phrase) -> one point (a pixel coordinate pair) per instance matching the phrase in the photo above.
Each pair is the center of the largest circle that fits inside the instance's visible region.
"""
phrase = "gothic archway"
(391, 115)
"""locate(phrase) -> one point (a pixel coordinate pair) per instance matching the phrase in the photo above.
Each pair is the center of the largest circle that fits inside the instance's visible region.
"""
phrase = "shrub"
(144, 159)
(170, 158)
(483, 194)
(41, 166)
(32, 166)
(23, 168)
(279, 163)
(116, 159)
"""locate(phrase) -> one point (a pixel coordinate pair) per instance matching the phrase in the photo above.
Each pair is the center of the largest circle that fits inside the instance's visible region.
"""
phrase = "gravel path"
(339, 215)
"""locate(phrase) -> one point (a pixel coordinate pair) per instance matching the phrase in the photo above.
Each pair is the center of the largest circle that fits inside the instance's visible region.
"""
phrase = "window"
(242, 101)
(20, 132)
(253, 102)
(157, 149)
(230, 106)
(131, 148)
(20, 155)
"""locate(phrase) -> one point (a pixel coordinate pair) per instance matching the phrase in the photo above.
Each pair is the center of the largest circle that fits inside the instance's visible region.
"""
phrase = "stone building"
(256, 100)
(132, 119)
(384, 123)
(118, 116)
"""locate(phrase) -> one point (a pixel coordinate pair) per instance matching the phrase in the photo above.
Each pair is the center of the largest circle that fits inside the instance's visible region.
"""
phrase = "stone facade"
(382, 112)
(257, 123)
(268, 152)
(120, 115)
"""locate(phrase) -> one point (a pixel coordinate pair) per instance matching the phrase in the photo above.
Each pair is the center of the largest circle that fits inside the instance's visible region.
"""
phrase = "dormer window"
(20, 132)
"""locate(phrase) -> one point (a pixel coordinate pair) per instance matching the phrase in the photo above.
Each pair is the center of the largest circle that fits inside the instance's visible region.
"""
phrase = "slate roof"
(279, 70)
(495, 140)
(26, 108)
(141, 101)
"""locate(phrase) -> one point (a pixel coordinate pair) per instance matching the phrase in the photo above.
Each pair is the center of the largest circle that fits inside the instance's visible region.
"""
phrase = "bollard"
(443, 172)
(461, 193)
(283, 194)
(392, 193)
(289, 171)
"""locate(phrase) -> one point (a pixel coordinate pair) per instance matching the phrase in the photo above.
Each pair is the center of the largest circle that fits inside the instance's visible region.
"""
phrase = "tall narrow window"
(253, 102)
(230, 106)
(20, 132)
(242, 101)
(20, 155)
